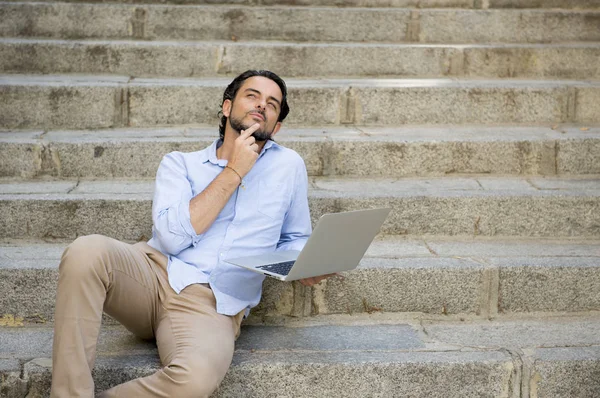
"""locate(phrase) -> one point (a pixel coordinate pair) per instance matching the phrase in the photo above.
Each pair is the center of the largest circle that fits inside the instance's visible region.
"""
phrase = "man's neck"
(226, 149)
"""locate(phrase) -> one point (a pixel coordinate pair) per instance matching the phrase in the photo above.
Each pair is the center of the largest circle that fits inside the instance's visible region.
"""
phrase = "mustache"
(262, 113)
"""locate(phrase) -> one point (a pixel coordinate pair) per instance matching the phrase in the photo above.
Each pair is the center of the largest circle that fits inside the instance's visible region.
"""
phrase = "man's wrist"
(235, 171)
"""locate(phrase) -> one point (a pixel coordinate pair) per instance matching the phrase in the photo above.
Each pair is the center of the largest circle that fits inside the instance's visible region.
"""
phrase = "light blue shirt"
(268, 212)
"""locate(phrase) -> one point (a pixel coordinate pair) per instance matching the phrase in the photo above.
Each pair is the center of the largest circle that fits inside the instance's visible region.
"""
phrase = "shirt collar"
(210, 153)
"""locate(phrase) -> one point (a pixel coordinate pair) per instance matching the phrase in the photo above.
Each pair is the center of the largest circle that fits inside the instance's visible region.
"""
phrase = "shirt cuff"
(185, 220)
(297, 244)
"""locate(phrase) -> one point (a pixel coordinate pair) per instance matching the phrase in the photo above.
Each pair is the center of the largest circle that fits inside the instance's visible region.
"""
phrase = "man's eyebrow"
(258, 92)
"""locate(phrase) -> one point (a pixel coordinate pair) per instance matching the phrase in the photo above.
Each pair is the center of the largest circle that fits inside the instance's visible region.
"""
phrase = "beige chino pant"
(129, 282)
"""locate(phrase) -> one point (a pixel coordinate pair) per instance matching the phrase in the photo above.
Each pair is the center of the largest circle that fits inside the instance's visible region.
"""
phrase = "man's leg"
(98, 273)
(195, 345)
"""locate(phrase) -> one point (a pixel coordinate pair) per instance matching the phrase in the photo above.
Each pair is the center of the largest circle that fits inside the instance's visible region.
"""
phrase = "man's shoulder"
(288, 155)
(186, 157)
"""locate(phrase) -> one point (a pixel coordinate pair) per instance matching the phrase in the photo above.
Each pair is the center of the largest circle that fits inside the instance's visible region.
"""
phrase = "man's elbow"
(170, 243)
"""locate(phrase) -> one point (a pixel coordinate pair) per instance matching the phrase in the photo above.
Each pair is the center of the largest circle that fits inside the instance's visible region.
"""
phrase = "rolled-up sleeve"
(171, 206)
(297, 227)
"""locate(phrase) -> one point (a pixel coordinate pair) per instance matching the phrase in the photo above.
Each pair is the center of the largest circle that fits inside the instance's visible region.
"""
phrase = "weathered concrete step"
(488, 206)
(210, 59)
(471, 277)
(473, 4)
(554, 357)
(353, 151)
(323, 24)
(71, 101)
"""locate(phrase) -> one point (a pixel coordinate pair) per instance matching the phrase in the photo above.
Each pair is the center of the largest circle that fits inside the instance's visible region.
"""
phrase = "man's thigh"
(192, 334)
(132, 288)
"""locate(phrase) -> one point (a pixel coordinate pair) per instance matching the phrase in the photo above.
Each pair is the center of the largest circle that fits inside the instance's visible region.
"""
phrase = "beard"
(259, 135)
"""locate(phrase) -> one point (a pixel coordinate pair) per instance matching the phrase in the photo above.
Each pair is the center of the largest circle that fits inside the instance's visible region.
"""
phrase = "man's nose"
(262, 104)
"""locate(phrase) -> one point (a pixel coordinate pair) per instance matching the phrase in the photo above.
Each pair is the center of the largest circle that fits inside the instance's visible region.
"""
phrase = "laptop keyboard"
(278, 268)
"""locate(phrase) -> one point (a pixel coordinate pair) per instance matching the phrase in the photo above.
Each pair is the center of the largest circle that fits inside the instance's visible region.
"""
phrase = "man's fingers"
(316, 279)
(249, 131)
(308, 281)
(254, 147)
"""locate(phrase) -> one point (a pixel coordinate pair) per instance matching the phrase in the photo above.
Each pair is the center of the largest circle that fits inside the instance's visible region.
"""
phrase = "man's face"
(257, 101)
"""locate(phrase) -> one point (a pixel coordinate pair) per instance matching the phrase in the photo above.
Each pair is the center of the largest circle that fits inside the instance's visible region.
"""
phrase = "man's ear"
(226, 108)
(276, 129)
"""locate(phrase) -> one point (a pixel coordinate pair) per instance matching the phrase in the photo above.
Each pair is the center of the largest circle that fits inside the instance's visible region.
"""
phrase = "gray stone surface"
(282, 299)
(76, 102)
(214, 58)
(494, 247)
(163, 22)
(528, 284)
(573, 4)
(11, 384)
(95, 154)
(385, 363)
(338, 3)
(375, 374)
(559, 184)
(358, 59)
(508, 26)
(179, 104)
(569, 61)
(28, 187)
(435, 158)
(65, 105)
(397, 275)
(438, 286)
(279, 23)
(317, 374)
(122, 209)
(72, 218)
(152, 103)
(445, 104)
(585, 161)
(39, 376)
(389, 355)
(585, 106)
(329, 338)
(363, 151)
(122, 189)
(29, 293)
(511, 334)
(99, 57)
(577, 4)
(408, 285)
(566, 372)
(72, 21)
(33, 342)
(550, 357)
(397, 247)
(533, 214)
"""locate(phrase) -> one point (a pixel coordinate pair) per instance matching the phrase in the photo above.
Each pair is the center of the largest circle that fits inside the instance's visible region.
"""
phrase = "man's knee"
(84, 254)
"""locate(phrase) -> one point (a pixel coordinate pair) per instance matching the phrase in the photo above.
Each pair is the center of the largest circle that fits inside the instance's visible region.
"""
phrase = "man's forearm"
(206, 206)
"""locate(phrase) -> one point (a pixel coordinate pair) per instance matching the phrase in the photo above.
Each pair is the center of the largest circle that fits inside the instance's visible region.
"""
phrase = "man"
(243, 195)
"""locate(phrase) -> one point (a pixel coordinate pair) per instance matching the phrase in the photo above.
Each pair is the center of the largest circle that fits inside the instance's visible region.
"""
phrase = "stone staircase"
(477, 121)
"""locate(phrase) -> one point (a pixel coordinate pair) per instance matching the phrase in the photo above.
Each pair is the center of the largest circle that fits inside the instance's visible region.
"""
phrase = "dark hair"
(235, 85)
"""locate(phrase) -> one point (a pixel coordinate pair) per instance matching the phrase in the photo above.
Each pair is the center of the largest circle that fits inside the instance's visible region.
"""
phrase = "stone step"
(475, 277)
(214, 59)
(322, 24)
(549, 357)
(462, 206)
(78, 101)
(346, 151)
(419, 4)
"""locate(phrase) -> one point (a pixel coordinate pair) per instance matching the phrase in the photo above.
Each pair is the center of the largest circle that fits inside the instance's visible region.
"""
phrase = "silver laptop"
(337, 243)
